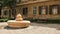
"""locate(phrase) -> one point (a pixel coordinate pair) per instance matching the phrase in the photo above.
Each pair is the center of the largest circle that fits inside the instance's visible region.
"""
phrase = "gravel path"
(34, 28)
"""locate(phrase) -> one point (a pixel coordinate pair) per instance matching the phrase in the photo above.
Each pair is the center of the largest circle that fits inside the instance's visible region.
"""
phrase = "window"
(25, 11)
(58, 9)
(43, 9)
(40, 10)
(18, 1)
(5, 13)
(50, 10)
(24, 0)
(9, 13)
(34, 0)
(43, 0)
(13, 12)
(54, 9)
(34, 10)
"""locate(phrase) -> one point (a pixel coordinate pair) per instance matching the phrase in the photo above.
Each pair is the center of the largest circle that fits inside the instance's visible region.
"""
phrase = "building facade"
(40, 9)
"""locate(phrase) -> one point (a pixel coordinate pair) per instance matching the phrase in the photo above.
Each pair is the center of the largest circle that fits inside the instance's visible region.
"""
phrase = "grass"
(3, 20)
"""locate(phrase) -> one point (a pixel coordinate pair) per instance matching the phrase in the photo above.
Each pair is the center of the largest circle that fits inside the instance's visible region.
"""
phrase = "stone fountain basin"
(18, 24)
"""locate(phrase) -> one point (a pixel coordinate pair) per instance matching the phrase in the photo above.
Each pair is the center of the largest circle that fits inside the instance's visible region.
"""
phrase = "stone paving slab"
(34, 29)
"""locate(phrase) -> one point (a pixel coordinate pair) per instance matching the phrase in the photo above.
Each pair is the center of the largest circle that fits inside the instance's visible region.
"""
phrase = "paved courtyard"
(34, 28)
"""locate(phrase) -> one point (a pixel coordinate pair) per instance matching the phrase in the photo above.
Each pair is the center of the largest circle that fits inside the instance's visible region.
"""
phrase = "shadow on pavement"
(9, 28)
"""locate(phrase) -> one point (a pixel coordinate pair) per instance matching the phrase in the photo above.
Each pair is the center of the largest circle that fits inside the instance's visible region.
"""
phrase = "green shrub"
(44, 20)
(3, 20)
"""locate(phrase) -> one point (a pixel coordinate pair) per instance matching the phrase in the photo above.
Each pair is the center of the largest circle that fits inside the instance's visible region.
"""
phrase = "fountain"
(18, 22)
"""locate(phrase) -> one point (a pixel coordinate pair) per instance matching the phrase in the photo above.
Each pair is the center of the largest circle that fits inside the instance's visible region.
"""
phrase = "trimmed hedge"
(31, 19)
(53, 21)
(44, 20)
(3, 20)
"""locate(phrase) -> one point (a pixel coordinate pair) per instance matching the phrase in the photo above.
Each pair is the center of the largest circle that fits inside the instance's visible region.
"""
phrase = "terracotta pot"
(19, 18)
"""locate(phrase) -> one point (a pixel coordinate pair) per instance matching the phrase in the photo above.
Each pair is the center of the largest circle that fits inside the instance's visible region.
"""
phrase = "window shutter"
(50, 10)
(40, 9)
(9, 13)
(25, 11)
(46, 10)
(58, 9)
(34, 10)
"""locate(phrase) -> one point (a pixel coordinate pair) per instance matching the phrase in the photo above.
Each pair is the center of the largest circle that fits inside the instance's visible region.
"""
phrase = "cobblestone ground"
(34, 28)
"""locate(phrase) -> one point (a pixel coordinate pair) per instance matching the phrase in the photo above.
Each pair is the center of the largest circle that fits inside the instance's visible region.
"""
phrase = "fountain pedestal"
(18, 22)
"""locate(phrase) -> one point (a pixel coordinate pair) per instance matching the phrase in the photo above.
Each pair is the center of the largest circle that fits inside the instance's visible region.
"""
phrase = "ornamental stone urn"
(18, 22)
(19, 18)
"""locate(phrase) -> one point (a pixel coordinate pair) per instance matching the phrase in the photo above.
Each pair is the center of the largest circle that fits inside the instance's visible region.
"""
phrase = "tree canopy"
(7, 2)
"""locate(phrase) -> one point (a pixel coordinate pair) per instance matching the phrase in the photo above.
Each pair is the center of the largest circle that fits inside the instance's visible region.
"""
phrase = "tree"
(8, 3)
